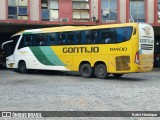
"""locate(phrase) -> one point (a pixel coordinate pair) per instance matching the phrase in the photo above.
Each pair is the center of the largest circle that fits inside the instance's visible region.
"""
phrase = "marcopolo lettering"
(118, 49)
(80, 50)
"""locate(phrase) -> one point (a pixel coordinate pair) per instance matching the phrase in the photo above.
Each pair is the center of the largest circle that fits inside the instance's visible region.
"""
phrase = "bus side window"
(104, 36)
(128, 32)
(83, 41)
(123, 34)
(120, 35)
(52, 39)
(25, 41)
(91, 36)
(79, 37)
(107, 36)
(88, 36)
(43, 40)
(40, 39)
(70, 38)
(94, 36)
(36, 40)
(60, 38)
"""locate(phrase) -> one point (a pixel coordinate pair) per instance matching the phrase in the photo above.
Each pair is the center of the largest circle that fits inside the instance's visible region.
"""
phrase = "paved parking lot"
(59, 91)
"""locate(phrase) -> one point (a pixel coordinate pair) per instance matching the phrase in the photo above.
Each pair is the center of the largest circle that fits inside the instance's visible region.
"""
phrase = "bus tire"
(86, 70)
(22, 67)
(101, 71)
(117, 75)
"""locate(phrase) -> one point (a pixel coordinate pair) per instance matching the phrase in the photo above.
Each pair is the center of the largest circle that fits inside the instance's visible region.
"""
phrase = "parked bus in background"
(2, 54)
(1, 59)
(157, 53)
(129, 49)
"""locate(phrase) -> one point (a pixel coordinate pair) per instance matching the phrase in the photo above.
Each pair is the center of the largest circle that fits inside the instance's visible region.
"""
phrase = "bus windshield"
(9, 47)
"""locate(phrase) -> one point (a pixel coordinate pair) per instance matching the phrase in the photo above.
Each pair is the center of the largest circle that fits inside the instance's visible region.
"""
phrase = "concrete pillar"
(35, 10)
(122, 12)
(3, 10)
(150, 11)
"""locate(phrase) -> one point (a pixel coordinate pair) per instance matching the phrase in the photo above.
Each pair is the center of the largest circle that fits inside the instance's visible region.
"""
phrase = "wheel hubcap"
(86, 71)
(101, 71)
(23, 68)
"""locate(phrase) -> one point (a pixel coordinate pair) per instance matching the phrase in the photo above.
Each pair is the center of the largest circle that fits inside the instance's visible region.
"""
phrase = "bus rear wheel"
(117, 75)
(86, 70)
(101, 71)
(22, 67)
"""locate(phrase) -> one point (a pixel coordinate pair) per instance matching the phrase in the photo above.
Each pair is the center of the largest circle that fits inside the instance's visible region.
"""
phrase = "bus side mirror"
(5, 44)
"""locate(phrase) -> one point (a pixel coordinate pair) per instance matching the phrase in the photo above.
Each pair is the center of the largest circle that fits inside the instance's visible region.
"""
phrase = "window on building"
(158, 11)
(137, 10)
(18, 9)
(81, 10)
(50, 10)
(109, 10)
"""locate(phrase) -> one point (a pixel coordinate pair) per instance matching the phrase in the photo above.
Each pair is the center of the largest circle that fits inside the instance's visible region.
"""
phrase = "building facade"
(78, 12)
(17, 15)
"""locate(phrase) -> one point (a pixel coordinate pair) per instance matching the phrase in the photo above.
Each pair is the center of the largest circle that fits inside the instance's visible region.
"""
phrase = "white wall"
(34, 10)
(2, 9)
(122, 11)
(94, 8)
(151, 11)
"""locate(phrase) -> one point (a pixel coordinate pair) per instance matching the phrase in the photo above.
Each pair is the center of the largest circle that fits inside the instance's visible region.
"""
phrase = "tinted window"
(61, 38)
(52, 39)
(88, 36)
(79, 36)
(39, 39)
(123, 34)
(25, 41)
(91, 36)
(70, 38)
(100, 36)
(10, 47)
(107, 36)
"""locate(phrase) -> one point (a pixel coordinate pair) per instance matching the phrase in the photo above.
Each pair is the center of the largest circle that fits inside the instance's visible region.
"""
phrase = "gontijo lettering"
(80, 50)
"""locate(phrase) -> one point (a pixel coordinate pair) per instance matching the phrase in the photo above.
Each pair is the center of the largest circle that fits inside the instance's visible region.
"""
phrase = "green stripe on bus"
(41, 57)
(51, 56)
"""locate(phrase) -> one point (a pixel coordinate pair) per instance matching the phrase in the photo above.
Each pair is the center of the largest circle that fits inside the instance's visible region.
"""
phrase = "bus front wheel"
(22, 67)
(86, 70)
(101, 71)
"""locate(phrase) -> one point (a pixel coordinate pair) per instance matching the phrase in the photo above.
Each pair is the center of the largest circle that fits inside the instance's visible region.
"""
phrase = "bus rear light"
(137, 60)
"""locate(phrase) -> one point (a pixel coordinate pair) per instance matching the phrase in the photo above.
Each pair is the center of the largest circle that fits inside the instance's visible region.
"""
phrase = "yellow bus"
(92, 50)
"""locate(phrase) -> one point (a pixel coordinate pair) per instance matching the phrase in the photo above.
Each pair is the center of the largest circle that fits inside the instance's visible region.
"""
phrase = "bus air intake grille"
(122, 63)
